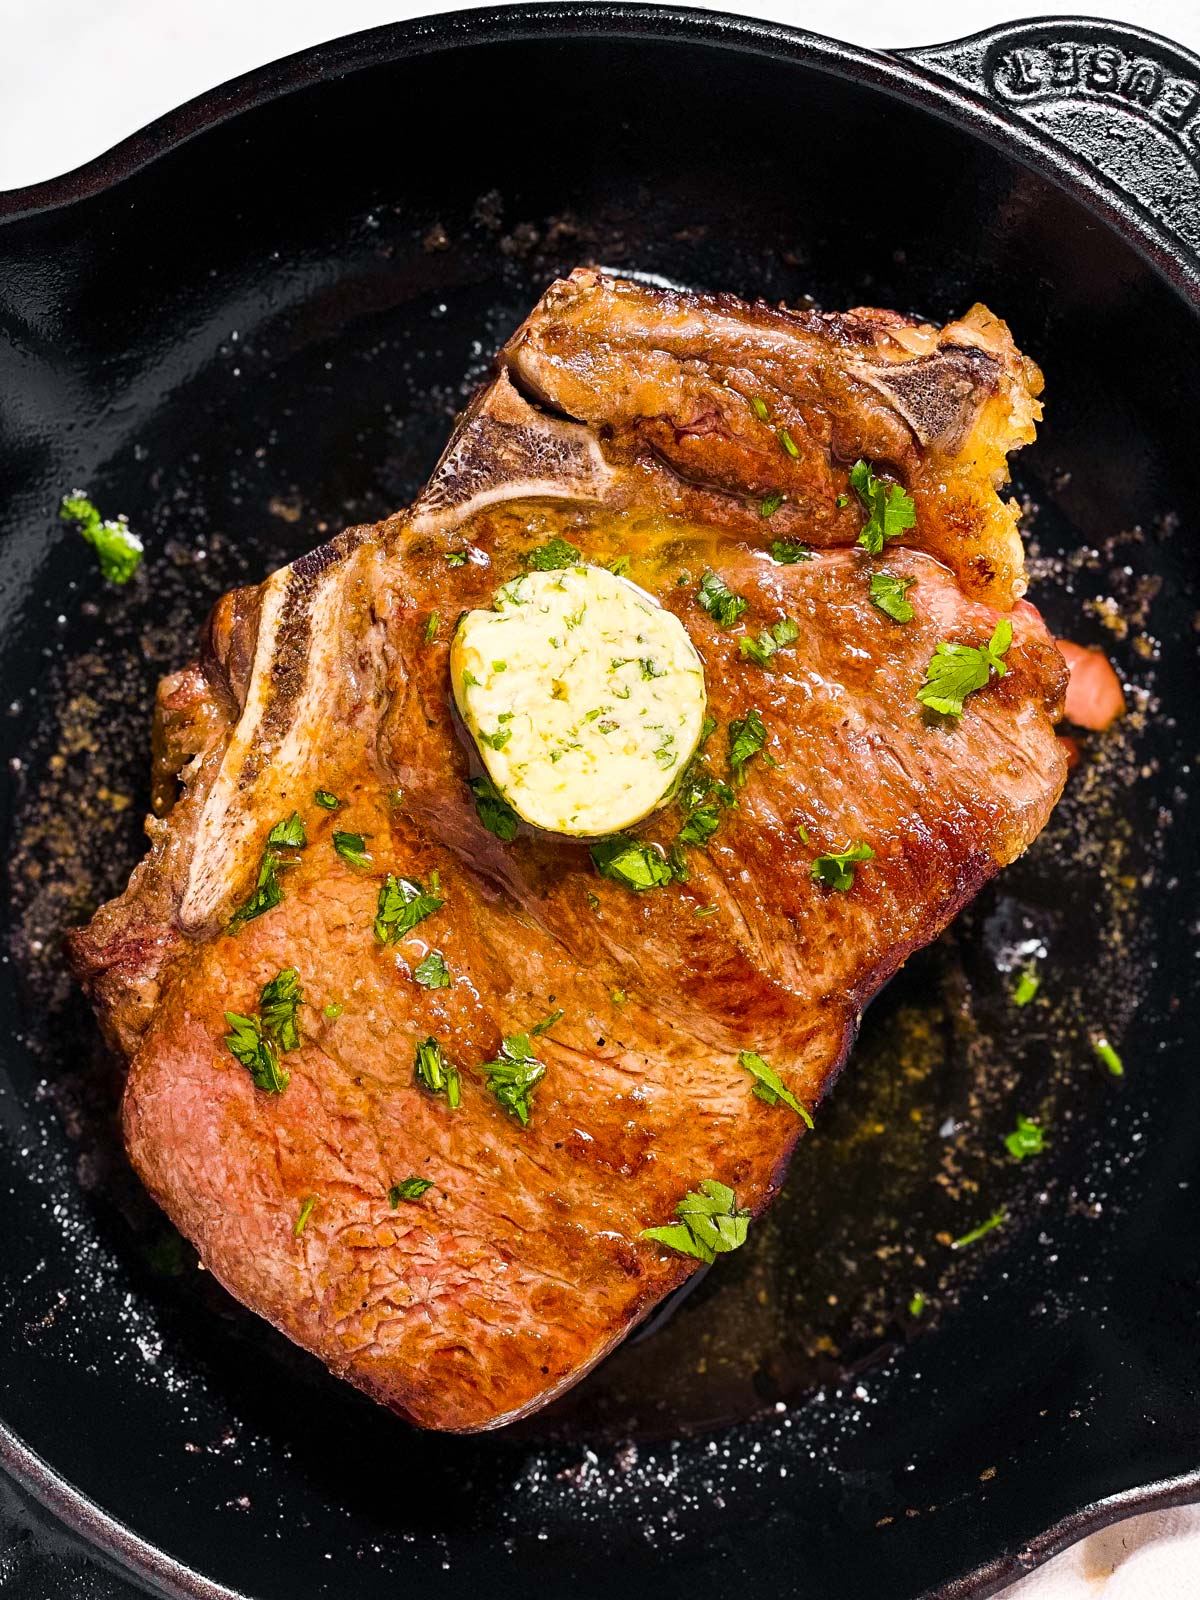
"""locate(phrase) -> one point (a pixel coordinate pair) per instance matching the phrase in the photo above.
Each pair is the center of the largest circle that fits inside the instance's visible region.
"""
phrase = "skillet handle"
(1123, 103)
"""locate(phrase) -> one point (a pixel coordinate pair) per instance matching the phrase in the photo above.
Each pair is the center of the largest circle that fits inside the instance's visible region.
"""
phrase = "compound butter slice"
(585, 698)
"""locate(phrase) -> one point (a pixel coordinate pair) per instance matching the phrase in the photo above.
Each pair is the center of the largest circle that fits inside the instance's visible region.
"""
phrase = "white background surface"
(78, 75)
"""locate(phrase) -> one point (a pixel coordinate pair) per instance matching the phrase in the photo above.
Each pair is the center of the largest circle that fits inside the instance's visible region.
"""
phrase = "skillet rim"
(903, 75)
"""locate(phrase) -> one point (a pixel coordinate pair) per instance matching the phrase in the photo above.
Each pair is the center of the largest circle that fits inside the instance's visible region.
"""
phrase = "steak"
(629, 422)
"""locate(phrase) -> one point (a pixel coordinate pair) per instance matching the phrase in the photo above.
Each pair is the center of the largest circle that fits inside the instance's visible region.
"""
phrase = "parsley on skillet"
(118, 551)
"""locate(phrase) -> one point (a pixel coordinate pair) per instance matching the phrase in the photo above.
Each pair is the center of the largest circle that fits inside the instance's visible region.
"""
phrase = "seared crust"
(668, 383)
(524, 1264)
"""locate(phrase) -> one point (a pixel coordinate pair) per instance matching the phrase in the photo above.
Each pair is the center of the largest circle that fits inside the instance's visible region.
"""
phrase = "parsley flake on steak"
(408, 1189)
(435, 1073)
(402, 904)
(431, 972)
(957, 670)
(889, 507)
(719, 600)
(889, 594)
(552, 556)
(769, 642)
(768, 1085)
(258, 1041)
(747, 739)
(352, 847)
(788, 551)
(492, 809)
(629, 861)
(268, 891)
(711, 1223)
(514, 1076)
(837, 871)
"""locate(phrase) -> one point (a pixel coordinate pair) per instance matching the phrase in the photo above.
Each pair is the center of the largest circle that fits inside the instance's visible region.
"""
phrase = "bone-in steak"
(629, 422)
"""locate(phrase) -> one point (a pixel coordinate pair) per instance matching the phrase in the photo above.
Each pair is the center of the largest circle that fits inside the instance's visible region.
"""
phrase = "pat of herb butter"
(598, 708)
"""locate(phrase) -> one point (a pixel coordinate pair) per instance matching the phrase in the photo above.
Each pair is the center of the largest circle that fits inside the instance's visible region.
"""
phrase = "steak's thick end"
(524, 1262)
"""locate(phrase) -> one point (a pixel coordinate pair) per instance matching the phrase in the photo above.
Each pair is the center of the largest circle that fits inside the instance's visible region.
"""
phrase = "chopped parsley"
(1027, 987)
(268, 892)
(1026, 1139)
(431, 972)
(629, 861)
(256, 1053)
(787, 552)
(496, 740)
(258, 1041)
(431, 627)
(769, 642)
(619, 567)
(457, 558)
(278, 1004)
(770, 505)
(702, 797)
(408, 1189)
(917, 1304)
(402, 904)
(705, 911)
(747, 739)
(837, 871)
(889, 593)
(711, 1223)
(435, 1073)
(326, 800)
(890, 509)
(118, 551)
(334, 1010)
(1108, 1056)
(553, 556)
(514, 1075)
(492, 809)
(957, 670)
(306, 1211)
(547, 1023)
(352, 847)
(769, 1087)
(994, 1221)
(289, 834)
(722, 605)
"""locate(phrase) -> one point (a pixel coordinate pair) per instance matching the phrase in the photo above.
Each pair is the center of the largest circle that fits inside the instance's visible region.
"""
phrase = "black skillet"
(253, 323)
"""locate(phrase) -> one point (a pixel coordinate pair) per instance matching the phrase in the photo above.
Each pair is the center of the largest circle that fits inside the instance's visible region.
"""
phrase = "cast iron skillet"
(253, 323)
